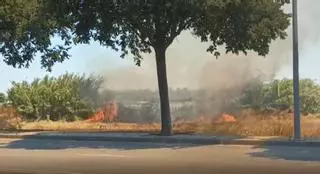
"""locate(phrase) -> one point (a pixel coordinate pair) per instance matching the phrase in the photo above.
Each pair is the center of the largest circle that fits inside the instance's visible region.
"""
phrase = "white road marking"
(233, 145)
(106, 155)
(22, 171)
(3, 145)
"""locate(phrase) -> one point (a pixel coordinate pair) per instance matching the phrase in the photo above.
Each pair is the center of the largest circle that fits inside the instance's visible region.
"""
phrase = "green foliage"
(135, 26)
(278, 94)
(66, 97)
(3, 97)
(26, 29)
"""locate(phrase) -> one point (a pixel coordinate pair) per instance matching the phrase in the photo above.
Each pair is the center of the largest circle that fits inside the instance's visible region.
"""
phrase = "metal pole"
(297, 116)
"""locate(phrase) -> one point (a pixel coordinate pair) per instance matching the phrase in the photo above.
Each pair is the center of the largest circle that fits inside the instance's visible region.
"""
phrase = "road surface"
(73, 157)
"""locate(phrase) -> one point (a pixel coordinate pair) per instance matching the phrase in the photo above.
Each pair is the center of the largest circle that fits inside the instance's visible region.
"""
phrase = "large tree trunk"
(166, 125)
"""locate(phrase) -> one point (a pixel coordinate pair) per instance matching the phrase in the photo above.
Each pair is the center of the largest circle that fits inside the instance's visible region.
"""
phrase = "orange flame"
(108, 113)
(227, 118)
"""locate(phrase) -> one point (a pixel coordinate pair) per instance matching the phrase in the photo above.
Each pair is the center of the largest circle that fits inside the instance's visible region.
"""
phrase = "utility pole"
(295, 46)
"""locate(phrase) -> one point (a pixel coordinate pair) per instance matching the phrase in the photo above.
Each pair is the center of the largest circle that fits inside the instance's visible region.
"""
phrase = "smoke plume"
(190, 66)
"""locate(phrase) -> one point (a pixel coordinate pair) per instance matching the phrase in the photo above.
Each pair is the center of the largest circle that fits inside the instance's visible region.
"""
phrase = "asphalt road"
(74, 157)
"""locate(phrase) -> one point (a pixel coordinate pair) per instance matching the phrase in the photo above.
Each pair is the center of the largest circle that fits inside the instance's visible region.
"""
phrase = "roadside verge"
(146, 137)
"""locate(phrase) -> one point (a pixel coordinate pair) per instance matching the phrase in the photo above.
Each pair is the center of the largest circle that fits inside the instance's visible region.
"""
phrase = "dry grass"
(9, 119)
(81, 126)
(248, 123)
(255, 124)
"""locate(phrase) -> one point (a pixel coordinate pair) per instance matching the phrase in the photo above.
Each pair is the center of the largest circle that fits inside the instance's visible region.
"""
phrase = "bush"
(67, 97)
(3, 98)
(278, 95)
(9, 118)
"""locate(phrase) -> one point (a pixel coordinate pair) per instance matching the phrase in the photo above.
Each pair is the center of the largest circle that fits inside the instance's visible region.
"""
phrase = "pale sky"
(84, 59)
(94, 58)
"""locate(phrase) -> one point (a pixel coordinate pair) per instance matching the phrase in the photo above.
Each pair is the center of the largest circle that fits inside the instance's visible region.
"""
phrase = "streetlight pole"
(297, 116)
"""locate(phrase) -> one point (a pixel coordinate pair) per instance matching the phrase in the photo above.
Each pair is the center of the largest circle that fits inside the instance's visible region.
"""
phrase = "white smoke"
(189, 65)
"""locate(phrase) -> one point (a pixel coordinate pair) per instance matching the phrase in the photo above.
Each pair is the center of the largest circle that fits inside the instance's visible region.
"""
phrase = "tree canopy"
(67, 97)
(3, 97)
(26, 29)
(278, 94)
(137, 26)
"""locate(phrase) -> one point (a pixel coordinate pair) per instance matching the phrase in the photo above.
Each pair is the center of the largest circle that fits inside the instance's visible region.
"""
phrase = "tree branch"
(135, 30)
(176, 30)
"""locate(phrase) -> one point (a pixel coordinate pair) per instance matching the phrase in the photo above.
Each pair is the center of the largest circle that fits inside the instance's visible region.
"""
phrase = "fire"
(227, 118)
(108, 113)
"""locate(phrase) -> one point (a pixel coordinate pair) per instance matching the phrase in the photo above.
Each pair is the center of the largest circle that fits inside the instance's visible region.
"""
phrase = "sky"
(96, 59)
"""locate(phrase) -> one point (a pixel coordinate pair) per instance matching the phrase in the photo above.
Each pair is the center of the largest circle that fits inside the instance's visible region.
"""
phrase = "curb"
(171, 140)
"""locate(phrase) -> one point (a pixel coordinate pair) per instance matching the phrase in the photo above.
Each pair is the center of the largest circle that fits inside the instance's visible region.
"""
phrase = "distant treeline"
(277, 94)
(67, 97)
(71, 97)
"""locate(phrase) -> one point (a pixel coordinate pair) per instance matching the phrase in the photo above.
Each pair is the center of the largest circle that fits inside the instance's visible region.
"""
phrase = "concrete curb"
(193, 139)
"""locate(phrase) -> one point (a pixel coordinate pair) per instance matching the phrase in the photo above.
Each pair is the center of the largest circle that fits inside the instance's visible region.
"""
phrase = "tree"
(3, 97)
(278, 94)
(138, 26)
(63, 98)
(26, 28)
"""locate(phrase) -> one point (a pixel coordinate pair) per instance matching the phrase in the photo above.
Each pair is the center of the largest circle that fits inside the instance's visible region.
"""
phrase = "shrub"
(63, 98)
